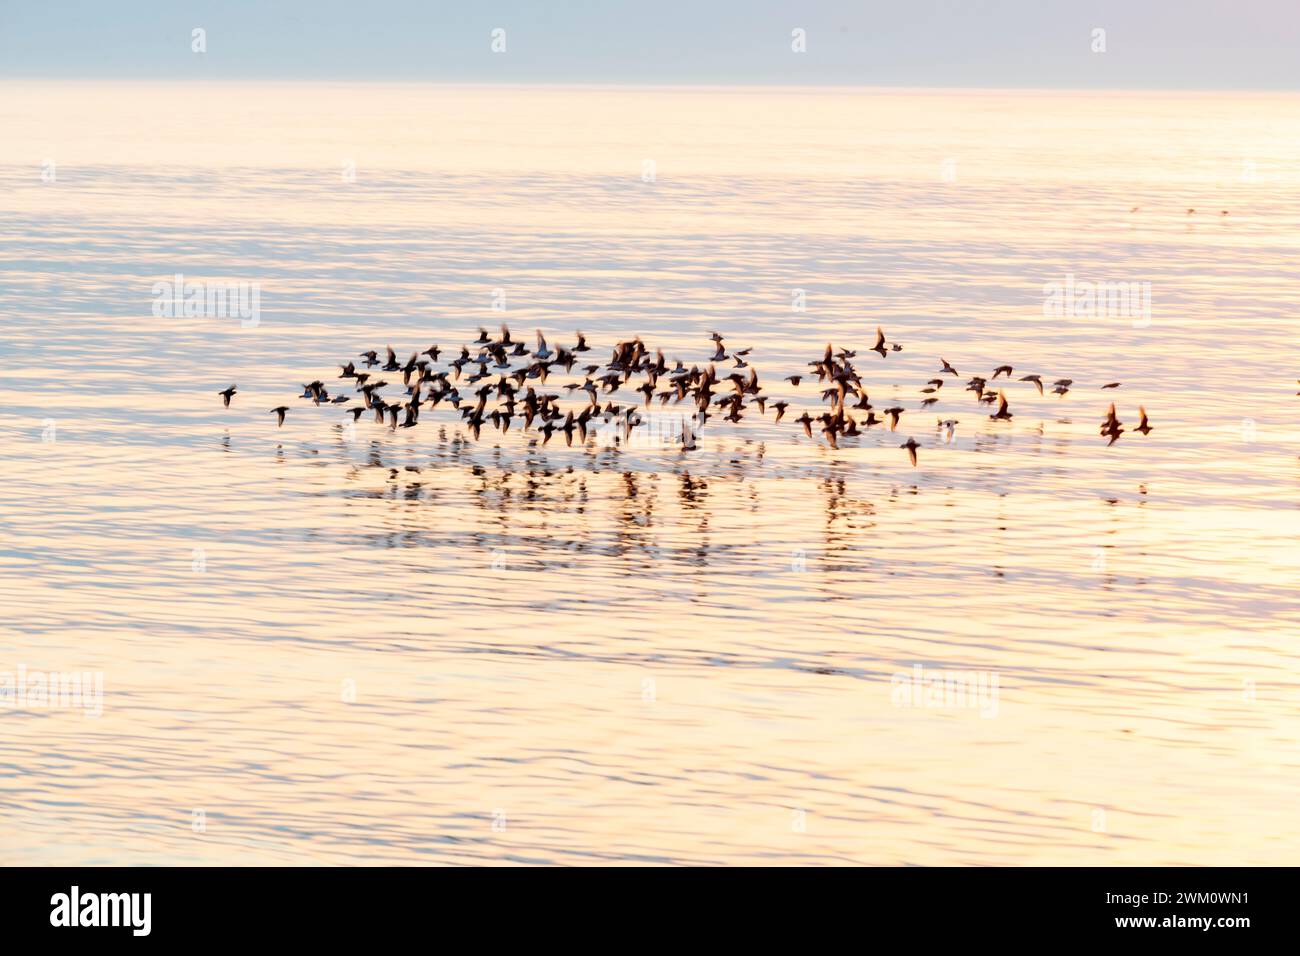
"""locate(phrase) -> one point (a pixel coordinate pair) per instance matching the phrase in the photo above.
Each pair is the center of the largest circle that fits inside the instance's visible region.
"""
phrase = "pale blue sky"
(1162, 44)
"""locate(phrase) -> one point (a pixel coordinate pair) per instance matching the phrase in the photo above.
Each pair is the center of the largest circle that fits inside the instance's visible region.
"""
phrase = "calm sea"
(319, 645)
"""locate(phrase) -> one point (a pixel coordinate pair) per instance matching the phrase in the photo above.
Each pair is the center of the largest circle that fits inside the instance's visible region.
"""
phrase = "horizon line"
(624, 85)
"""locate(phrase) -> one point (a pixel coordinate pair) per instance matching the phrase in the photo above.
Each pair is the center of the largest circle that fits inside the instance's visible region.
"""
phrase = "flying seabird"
(1036, 379)
(1002, 413)
(1111, 426)
(542, 353)
(880, 342)
(911, 445)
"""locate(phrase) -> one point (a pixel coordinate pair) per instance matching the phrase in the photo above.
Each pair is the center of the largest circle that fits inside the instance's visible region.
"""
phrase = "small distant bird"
(880, 342)
(1003, 370)
(794, 379)
(1111, 426)
(542, 353)
(1036, 379)
(780, 409)
(280, 411)
(1002, 413)
(1111, 385)
(227, 395)
(911, 445)
(946, 367)
(1143, 426)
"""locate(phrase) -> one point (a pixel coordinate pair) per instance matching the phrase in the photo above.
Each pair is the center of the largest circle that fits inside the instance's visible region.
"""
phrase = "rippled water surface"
(634, 654)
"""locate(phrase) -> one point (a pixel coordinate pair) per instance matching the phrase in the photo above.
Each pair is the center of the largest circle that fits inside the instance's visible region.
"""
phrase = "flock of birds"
(505, 373)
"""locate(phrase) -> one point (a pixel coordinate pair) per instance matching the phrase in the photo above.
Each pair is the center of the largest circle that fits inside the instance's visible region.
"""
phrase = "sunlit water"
(593, 655)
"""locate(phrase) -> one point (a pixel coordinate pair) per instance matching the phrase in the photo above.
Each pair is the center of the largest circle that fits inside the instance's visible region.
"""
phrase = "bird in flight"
(1002, 413)
(911, 445)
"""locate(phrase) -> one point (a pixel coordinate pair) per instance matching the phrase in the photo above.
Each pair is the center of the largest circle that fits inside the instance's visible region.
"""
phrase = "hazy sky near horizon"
(1162, 44)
